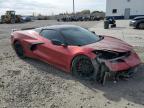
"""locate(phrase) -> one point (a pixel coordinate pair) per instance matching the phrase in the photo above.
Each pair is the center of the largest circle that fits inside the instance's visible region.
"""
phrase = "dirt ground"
(33, 84)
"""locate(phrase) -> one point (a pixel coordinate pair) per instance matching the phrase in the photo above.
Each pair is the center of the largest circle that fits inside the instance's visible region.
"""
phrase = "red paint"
(62, 57)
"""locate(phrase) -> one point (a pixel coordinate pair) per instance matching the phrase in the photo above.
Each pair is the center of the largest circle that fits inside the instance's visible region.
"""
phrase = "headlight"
(133, 21)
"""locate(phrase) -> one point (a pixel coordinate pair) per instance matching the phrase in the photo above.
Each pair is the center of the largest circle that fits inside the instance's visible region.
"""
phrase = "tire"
(141, 26)
(113, 26)
(12, 21)
(19, 50)
(82, 67)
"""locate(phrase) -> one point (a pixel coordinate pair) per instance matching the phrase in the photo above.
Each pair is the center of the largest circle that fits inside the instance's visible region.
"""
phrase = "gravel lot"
(33, 84)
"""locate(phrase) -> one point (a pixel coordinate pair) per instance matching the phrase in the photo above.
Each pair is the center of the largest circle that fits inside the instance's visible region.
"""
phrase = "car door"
(57, 55)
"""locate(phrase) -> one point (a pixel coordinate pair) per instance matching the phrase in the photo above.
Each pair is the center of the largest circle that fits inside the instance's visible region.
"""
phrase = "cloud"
(49, 6)
(25, 6)
(20, 4)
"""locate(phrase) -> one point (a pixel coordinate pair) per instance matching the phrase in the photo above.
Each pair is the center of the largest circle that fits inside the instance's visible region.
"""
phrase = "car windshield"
(79, 36)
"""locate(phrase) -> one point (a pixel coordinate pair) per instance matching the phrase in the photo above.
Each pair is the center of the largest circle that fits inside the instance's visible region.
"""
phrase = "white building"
(121, 9)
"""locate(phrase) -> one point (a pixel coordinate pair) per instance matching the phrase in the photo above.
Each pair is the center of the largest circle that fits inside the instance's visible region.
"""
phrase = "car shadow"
(131, 90)
(138, 29)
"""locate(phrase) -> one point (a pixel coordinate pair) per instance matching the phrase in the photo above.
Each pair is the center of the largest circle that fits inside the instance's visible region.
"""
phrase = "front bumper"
(132, 23)
(115, 69)
(123, 64)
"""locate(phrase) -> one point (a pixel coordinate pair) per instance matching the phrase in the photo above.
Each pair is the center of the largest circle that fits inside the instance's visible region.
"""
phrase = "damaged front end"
(111, 55)
(115, 64)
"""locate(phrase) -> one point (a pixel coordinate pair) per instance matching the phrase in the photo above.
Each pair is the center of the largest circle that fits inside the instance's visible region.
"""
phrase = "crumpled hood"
(110, 43)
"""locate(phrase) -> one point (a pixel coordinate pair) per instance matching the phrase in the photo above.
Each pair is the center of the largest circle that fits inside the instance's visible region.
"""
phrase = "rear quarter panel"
(25, 38)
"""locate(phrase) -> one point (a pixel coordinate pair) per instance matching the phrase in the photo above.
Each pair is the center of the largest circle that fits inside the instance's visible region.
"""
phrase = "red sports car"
(76, 50)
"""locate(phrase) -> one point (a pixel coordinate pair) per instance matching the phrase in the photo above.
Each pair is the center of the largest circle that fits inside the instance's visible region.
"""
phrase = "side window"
(52, 34)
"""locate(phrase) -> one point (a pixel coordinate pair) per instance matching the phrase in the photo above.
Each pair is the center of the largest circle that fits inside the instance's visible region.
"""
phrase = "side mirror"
(93, 32)
(57, 42)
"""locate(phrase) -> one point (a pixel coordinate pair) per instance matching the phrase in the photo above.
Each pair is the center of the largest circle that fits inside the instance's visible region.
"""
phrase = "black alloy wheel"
(82, 67)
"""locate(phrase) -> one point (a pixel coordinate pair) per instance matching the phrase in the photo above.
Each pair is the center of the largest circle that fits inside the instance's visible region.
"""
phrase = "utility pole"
(73, 7)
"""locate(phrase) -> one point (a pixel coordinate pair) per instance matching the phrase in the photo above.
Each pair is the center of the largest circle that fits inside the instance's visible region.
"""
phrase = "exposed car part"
(102, 73)
(109, 55)
(105, 73)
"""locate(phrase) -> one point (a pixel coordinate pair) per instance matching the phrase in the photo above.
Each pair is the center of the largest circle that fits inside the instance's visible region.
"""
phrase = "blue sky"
(48, 7)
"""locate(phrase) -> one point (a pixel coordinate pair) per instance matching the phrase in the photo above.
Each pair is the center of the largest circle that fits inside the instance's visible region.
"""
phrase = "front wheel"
(82, 67)
(141, 26)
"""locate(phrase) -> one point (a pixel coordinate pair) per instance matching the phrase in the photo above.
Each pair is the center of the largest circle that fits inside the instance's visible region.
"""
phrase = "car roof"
(140, 17)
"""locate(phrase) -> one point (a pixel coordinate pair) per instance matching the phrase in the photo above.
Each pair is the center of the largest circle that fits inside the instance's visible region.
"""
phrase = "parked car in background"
(80, 18)
(26, 18)
(137, 22)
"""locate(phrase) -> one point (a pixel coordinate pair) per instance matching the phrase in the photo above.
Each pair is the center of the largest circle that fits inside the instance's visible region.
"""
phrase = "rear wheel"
(82, 67)
(19, 50)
